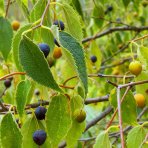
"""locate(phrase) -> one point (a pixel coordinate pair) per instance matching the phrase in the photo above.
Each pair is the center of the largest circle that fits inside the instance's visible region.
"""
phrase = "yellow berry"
(135, 67)
(140, 100)
(15, 25)
(57, 52)
(79, 115)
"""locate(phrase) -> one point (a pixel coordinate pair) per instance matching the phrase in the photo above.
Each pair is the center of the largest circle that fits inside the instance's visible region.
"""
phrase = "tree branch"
(114, 114)
(96, 100)
(111, 30)
(120, 117)
(98, 118)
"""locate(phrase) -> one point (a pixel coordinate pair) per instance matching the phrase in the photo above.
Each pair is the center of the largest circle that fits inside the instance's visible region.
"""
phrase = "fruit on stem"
(140, 100)
(57, 52)
(15, 25)
(40, 112)
(44, 48)
(60, 24)
(135, 67)
(39, 137)
(79, 115)
(56, 42)
(7, 83)
(93, 58)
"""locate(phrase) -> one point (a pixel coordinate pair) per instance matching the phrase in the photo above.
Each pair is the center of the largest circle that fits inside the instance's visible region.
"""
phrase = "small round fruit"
(56, 42)
(57, 52)
(60, 24)
(110, 8)
(37, 92)
(79, 115)
(7, 83)
(135, 67)
(40, 112)
(51, 61)
(15, 25)
(44, 48)
(93, 59)
(144, 3)
(140, 100)
(39, 137)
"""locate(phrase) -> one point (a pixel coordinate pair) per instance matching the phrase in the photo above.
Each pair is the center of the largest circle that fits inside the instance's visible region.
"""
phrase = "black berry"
(110, 8)
(7, 83)
(39, 137)
(93, 59)
(40, 112)
(56, 42)
(60, 24)
(44, 48)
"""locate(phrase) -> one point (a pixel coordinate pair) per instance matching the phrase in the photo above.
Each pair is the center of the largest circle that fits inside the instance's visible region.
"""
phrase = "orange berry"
(15, 25)
(57, 52)
(135, 67)
(140, 100)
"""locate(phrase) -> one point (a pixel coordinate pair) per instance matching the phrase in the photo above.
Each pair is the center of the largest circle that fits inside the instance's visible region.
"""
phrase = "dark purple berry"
(56, 42)
(7, 83)
(60, 24)
(44, 48)
(39, 137)
(10, 78)
(40, 112)
(93, 59)
(110, 8)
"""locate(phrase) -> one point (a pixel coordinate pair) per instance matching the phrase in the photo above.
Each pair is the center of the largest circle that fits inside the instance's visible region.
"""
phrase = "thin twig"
(7, 8)
(133, 83)
(43, 16)
(96, 100)
(142, 113)
(116, 64)
(141, 38)
(111, 30)
(98, 118)
(114, 114)
(120, 117)
(119, 51)
(11, 74)
(100, 75)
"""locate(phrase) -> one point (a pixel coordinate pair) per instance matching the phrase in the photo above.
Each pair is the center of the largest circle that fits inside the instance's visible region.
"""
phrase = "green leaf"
(97, 52)
(29, 127)
(48, 38)
(136, 136)
(102, 140)
(77, 129)
(35, 64)
(72, 20)
(98, 13)
(15, 45)
(128, 106)
(24, 8)
(10, 135)
(126, 2)
(37, 10)
(21, 96)
(75, 49)
(6, 35)
(143, 88)
(2, 10)
(142, 55)
(77, 5)
(58, 119)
